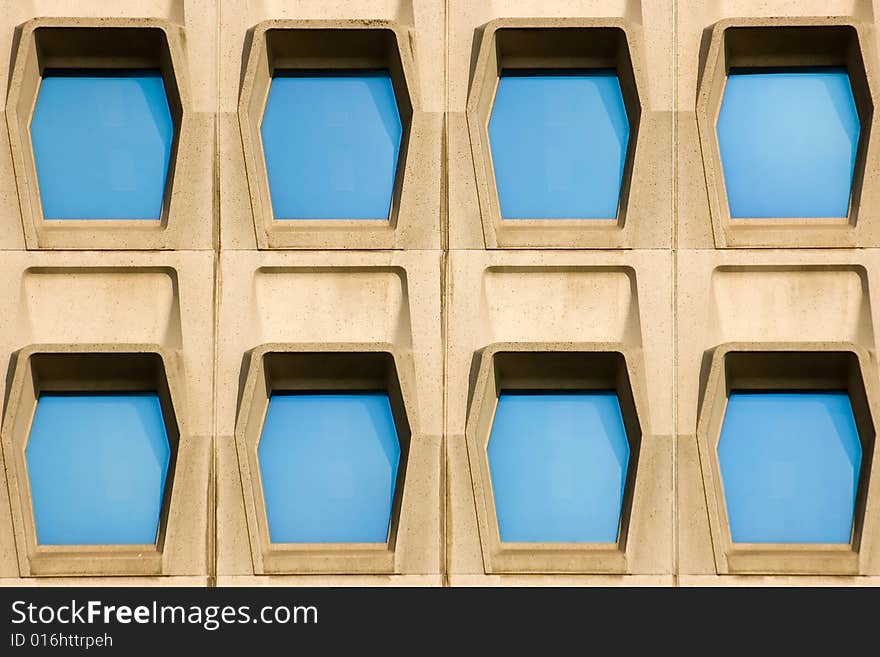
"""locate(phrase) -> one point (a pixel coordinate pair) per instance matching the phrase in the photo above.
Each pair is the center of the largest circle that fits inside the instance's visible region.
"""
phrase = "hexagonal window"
(102, 142)
(329, 464)
(323, 441)
(553, 438)
(790, 464)
(788, 139)
(331, 141)
(91, 439)
(559, 141)
(97, 466)
(558, 462)
(787, 447)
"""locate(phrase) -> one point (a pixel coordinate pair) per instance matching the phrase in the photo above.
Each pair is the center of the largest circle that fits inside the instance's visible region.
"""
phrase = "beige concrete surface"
(331, 580)
(665, 284)
(105, 581)
(567, 580)
(776, 580)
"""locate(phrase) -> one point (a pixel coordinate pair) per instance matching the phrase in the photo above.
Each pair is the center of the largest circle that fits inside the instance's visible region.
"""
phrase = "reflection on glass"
(331, 142)
(558, 141)
(328, 463)
(97, 465)
(558, 462)
(790, 465)
(102, 144)
(788, 140)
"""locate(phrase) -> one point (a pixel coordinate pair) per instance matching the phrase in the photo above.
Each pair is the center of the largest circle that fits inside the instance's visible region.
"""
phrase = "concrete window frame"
(752, 42)
(101, 43)
(558, 44)
(535, 366)
(87, 368)
(790, 366)
(313, 367)
(334, 44)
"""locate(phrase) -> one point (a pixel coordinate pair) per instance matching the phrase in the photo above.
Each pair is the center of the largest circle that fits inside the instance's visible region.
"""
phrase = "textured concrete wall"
(435, 290)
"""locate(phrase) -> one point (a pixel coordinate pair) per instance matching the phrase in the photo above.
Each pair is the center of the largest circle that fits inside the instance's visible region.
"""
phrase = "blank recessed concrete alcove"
(119, 174)
(817, 302)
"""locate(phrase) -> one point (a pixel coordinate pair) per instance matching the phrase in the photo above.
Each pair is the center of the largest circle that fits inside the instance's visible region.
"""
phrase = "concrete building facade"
(216, 302)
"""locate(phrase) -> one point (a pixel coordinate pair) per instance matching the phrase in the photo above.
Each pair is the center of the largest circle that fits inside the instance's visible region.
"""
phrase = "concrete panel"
(448, 289)
(343, 299)
(547, 297)
(791, 296)
(78, 300)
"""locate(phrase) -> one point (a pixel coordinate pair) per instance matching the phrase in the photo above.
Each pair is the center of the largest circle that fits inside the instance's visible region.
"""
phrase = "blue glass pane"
(788, 140)
(558, 144)
(790, 466)
(558, 463)
(331, 142)
(97, 465)
(328, 462)
(102, 143)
